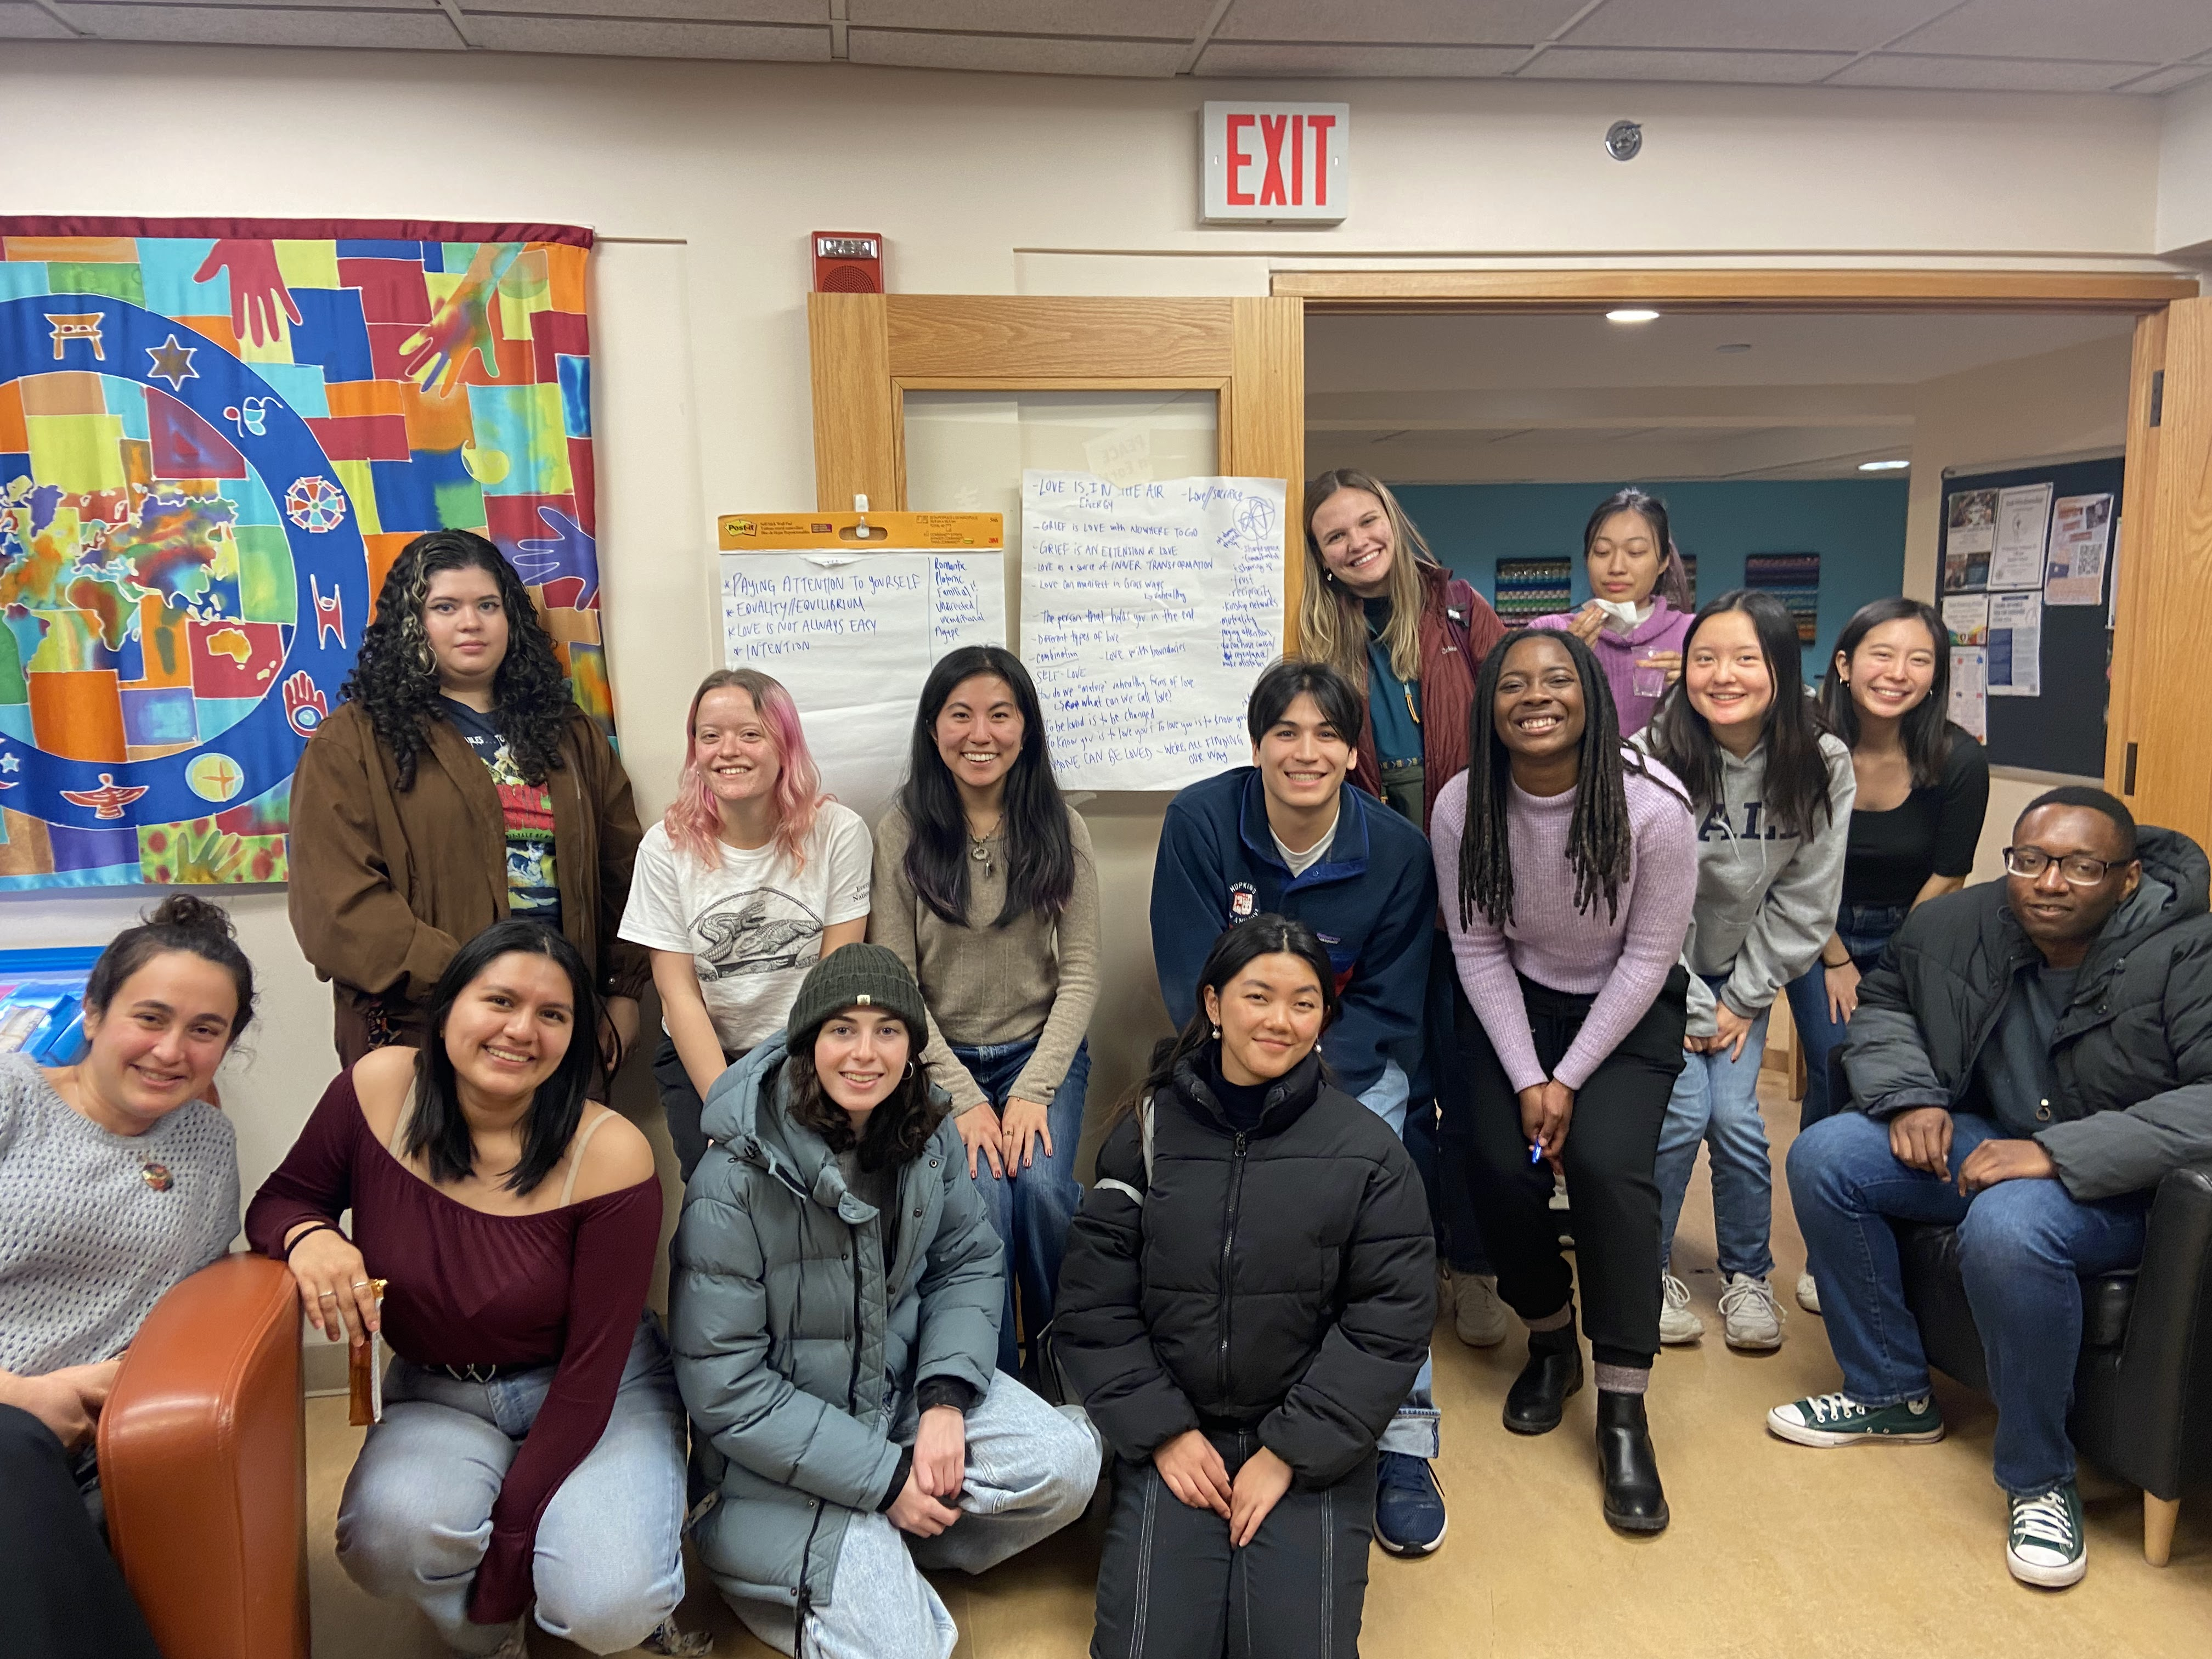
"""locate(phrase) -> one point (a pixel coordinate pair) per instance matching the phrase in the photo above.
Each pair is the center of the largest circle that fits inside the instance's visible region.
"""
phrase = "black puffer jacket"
(1285, 1278)
(2132, 1051)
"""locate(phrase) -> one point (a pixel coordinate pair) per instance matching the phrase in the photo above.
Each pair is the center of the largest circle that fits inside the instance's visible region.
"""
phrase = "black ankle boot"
(1539, 1395)
(1633, 1499)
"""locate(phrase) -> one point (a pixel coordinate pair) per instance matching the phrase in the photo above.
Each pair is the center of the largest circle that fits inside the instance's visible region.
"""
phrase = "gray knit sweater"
(89, 1239)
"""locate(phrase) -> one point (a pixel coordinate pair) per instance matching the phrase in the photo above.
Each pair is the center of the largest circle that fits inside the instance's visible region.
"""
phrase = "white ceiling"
(1446, 399)
(2140, 46)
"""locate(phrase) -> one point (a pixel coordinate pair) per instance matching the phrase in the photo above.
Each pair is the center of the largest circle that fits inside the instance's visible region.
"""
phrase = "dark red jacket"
(1457, 629)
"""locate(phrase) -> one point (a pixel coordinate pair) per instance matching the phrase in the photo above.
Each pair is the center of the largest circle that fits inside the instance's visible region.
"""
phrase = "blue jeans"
(1864, 931)
(1716, 1101)
(2023, 1245)
(1030, 1208)
(416, 1517)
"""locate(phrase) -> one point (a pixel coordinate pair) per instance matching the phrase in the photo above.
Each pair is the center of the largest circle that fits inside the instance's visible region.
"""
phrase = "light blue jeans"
(1031, 1209)
(1716, 1101)
(415, 1518)
(1417, 1430)
(1031, 1470)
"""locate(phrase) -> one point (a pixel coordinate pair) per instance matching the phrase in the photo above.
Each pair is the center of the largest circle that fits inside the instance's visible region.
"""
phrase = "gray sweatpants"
(1171, 1586)
(1031, 1471)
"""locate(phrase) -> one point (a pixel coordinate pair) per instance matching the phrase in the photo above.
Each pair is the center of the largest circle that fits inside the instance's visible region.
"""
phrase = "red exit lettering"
(1284, 139)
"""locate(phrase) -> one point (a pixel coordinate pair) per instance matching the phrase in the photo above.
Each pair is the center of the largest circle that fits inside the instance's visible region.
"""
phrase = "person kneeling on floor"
(1247, 1295)
(835, 1320)
(2027, 1063)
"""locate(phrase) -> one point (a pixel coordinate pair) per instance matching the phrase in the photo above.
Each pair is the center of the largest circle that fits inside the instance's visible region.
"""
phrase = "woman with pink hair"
(752, 877)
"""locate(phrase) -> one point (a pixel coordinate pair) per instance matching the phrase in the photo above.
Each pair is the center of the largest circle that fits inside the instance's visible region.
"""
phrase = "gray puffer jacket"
(795, 1351)
(2133, 1050)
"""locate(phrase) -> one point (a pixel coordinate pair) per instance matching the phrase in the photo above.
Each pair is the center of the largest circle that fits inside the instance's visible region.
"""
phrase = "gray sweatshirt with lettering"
(1766, 900)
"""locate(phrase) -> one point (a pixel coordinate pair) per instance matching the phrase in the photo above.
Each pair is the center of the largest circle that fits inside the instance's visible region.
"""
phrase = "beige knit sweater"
(986, 985)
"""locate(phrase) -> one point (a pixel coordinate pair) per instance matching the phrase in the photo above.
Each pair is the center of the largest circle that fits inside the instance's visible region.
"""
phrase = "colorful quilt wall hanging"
(214, 439)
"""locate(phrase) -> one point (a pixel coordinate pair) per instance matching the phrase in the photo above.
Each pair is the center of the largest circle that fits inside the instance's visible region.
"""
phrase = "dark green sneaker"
(2045, 1545)
(1837, 1420)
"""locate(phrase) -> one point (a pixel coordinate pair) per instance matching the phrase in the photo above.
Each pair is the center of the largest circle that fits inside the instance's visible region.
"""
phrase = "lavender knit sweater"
(1622, 962)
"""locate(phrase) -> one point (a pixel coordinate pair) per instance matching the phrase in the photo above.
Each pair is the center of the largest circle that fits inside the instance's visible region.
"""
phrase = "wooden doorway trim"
(870, 349)
(1572, 290)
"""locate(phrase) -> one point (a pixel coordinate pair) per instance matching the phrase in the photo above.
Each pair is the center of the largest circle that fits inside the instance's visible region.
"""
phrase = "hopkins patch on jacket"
(1244, 901)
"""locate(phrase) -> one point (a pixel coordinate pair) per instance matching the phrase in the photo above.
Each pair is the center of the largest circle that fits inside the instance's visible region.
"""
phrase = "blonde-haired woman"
(1381, 610)
(752, 877)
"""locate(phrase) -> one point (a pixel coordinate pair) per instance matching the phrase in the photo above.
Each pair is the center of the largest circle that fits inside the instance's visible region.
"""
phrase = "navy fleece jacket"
(1372, 899)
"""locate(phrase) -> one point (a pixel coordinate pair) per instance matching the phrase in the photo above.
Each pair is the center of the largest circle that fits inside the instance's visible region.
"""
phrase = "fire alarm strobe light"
(847, 262)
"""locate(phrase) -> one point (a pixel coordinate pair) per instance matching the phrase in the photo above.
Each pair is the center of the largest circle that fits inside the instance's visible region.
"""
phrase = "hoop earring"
(909, 1072)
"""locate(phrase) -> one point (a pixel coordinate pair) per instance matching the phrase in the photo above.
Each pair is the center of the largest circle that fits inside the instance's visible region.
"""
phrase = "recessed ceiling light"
(1883, 466)
(1631, 314)
(1734, 345)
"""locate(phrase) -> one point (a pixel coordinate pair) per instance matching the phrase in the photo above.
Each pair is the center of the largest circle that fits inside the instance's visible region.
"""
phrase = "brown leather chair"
(203, 1467)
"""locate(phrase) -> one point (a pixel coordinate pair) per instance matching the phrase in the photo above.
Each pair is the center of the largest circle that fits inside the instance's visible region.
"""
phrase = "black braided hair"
(395, 679)
(1600, 839)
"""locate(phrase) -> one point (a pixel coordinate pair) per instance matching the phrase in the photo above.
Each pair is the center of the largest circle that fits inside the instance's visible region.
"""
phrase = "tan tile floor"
(1775, 1549)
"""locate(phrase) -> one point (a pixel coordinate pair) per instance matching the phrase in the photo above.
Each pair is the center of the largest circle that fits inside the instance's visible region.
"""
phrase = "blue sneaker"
(1409, 1506)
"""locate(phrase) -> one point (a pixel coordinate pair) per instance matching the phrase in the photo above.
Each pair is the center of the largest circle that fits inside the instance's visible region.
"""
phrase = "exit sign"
(1275, 161)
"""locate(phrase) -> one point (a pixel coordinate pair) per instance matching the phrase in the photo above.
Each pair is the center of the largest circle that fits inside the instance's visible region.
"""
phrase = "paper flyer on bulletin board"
(1969, 690)
(852, 630)
(1148, 611)
(2023, 523)
(2081, 527)
(1966, 618)
(2015, 648)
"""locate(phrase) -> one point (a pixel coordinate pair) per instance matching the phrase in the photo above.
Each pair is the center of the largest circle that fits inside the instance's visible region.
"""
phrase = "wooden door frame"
(870, 349)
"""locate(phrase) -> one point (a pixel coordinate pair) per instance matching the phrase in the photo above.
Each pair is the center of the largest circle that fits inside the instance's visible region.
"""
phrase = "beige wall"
(2184, 175)
(706, 178)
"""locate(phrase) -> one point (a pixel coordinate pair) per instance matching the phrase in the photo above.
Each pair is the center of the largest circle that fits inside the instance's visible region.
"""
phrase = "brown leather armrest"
(203, 1464)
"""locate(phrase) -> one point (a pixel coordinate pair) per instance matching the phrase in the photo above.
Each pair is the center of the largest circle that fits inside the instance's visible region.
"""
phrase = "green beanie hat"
(856, 976)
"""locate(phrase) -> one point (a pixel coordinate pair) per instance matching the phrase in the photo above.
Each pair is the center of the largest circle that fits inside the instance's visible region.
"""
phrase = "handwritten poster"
(2023, 522)
(1148, 610)
(2015, 649)
(2081, 528)
(852, 637)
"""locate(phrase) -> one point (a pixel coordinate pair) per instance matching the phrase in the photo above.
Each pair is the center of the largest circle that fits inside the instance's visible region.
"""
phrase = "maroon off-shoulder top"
(563, 1287)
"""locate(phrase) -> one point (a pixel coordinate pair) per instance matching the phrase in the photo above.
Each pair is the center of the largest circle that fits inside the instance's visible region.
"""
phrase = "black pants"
(62, 1597)
(1441, 1141)
(681, 1101)
(1612, 1143)
(1171, 1586)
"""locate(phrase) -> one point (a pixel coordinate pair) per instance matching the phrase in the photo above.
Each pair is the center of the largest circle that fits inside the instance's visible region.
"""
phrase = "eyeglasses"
(2078, 868)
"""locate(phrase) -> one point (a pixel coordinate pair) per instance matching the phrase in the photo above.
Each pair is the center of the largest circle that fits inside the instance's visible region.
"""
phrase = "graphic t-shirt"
(527, 807)
(751, 924)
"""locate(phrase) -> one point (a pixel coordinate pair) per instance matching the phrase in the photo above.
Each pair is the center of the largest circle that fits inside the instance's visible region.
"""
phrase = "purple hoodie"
(1664, 630)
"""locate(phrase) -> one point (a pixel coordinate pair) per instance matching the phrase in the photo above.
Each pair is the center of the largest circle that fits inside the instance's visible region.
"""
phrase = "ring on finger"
(328, 1295)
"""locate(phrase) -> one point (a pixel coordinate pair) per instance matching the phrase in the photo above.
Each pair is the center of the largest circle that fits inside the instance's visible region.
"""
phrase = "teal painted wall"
(1856, 525)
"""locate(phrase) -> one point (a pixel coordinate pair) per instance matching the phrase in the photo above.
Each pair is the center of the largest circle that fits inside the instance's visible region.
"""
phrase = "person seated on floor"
(1246, 1295)
(2026, 1065)
(1291, 836)
(118, 1180)
(838, 1287)
(531, 1446)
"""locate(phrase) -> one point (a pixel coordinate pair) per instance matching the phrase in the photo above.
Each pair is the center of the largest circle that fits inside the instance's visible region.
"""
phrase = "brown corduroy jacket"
(386, 884)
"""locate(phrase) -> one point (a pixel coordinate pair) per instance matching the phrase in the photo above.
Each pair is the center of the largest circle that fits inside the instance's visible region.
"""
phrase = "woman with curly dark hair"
(456, 784)
(836, 1322)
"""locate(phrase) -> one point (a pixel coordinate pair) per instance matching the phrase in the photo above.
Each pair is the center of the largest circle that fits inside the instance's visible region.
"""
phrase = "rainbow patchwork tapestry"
(214, 439)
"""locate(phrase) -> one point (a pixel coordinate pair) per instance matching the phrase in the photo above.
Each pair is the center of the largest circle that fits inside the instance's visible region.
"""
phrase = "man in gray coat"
(2027, 1063)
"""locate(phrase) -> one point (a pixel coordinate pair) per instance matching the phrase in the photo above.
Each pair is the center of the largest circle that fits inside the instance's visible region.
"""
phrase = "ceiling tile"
(1286, 58)
(1765, 68)
(1898, 68)
(2147, 31)
(704, 11)
(269, 26)
(1445, 22)
(2168, 80)
(1016, 54)
(1753, 24)
(613, 38)
(1154, 19)
(29, 23)
(99, 6)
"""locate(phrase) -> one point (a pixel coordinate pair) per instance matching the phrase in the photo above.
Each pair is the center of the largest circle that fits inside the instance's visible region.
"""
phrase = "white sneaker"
(1677, 1324)
(1754, 1321)
(1808, 1293)
(1477, 1314)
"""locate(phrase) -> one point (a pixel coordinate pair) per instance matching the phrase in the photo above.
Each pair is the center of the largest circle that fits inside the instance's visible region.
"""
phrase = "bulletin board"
(2062, 728)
